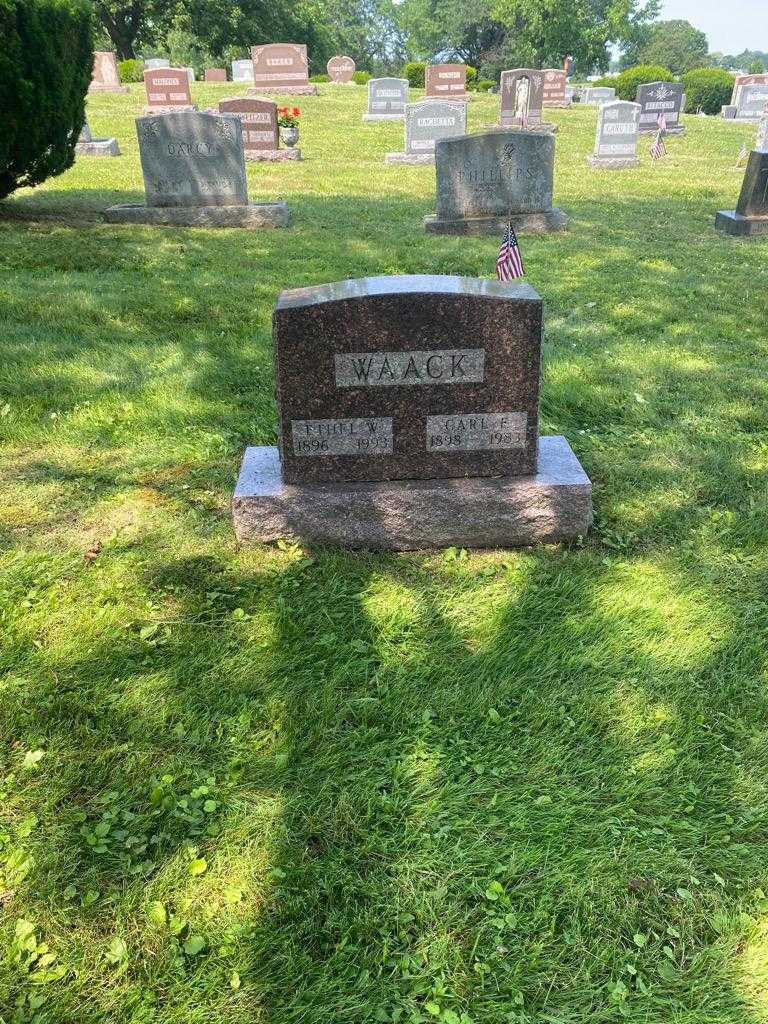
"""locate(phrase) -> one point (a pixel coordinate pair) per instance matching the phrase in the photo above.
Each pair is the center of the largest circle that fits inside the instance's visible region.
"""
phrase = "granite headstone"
(751, 214)
(105, 76)
(751, 103)
(87, 145)
(657, 98)
(425, 123)
(387, 98)
(484, 181)
(215, 74)
(156, 62)
(598, 95)
(261, 140)
(281, 68)
(522, 97)
(554, 88)
(618, 125)
(340, 70)
(762, 130)
(446, 81)
(408, 411)
(242, 71)
(167, 90)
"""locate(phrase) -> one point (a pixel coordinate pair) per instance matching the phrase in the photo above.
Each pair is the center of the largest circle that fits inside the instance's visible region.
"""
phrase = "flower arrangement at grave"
(288, 122)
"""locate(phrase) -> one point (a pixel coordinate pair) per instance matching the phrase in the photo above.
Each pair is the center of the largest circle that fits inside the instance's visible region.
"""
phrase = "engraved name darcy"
(382, 369)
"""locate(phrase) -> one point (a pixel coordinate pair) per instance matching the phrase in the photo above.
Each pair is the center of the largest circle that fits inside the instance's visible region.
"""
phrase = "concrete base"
(553, 504)
(272, 154)
(409, 158)
(146, 111)
(733, 223)
(728, 112)
(291, 90)
(95, 87)
(610, 163)
(252, 217)
(373, 118)
(541, 128)
(98, 147)
(668, 131)
(540, 223)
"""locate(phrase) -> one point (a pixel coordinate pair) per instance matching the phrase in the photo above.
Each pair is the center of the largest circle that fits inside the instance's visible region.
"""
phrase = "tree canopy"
(676, 45)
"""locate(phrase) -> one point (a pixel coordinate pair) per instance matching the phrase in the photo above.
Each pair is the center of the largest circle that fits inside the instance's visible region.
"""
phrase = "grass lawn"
(291, 787)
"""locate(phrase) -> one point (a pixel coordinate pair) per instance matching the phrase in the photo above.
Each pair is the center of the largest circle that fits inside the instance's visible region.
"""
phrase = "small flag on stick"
(509, 264)
(658, 149)
(743, 154)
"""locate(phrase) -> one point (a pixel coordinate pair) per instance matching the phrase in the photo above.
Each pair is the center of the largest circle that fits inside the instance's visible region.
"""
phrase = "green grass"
(290, 787)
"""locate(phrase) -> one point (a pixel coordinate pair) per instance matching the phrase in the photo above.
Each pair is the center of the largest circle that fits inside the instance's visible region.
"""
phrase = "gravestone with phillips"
(408, 411)
(387, 98)
(750, 217)
(618, 126)
(281, 68)
(485, 181)
(194, 174)
(425, 123)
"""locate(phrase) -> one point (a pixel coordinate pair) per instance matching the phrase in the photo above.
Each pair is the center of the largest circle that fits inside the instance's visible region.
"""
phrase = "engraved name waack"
(397, 369)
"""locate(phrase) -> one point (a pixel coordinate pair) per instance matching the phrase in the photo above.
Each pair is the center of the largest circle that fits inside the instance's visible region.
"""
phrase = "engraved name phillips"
(396, 369)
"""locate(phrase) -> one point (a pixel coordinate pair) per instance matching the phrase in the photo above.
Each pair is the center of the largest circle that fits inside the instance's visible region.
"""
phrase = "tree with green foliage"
(676, 45)
(45, 69)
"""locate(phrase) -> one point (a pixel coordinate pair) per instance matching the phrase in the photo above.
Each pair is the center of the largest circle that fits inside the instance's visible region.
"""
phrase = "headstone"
(190, 74)
(87, 145)
(425, 123)
(618, 125)
(522, 97)
(167, 89)
(751, 102)
(281, 68)
(745, 80)
(261, 138)
(408, 411)
(657, 98)
(762, 130)
(387, 98)
(446, 81)
(242, 71)
(194, 174)
(595, 96)
(340, 70)
(751, 214)
(554, 88)
(484, 181)
(105, 76)
(215, 74)
(156, 62)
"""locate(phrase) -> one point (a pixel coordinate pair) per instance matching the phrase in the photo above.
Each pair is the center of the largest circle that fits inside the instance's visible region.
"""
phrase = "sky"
(730, 26)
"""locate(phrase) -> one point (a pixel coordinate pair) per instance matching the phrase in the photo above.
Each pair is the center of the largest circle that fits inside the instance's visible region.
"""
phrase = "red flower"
(296, 111)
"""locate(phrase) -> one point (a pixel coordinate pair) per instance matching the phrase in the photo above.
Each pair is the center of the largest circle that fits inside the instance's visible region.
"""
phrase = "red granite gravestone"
(105, 76)
(554, 88)
(167, 89)
(282, 68)
(260, 133)
(522, 97)
(446, 81)
(215, 74)
(408, 414)
(340, 70)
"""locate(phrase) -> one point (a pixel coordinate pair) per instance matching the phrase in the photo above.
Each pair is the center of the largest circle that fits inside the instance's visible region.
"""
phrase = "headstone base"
(257, 155)
(253, 216)
(613, 163)
(372, 118)
(675, 130)
(557, 106)
(542, 128)
(97, 87)
(538, 223)
(98, 147)
(289, 90)
(409, 158)
(553, 504)
(147, 111)
(728, 112)
(733, 223)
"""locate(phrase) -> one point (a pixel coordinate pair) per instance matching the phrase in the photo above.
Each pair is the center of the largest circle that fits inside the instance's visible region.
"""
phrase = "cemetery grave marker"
(215, 74)
(425, 123)
(242, 71)
(167, 90)
(484, 181)
(156, 62)
(446, 81)
(87, 145)
(340, 70)
(555, 88)
(762, 130)
(618, 126)
(408, 412)
(105, 76)
(657, 98)
(734, 109)
(261, 138)
(194, 174)
(522, 99)
(751, 214)
(281, 68)
(387, 98)
(597, 96)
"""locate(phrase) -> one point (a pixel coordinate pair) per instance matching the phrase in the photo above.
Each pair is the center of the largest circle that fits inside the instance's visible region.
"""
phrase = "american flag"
(509, 264)
(743, 154)
(658, 149)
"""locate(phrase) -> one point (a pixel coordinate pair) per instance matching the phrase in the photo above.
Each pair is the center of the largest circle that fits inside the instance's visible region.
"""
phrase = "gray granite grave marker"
(596, 96)
(156, 62)
(657, 98)
(618, 125)
(751, 214)
(425, 123)
(751, 102)
(242, 71)
(483, 181)
(387, 98)
(87, 145)
(408, 412)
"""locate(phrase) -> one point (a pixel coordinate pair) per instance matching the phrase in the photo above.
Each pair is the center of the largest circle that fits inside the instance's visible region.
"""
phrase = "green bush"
(319, 79)
(415, 72)
(484, 85)
(131, 70)
(471, 76)
(361, 77)
(626, 84)
(707, 89)
(45, 69)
